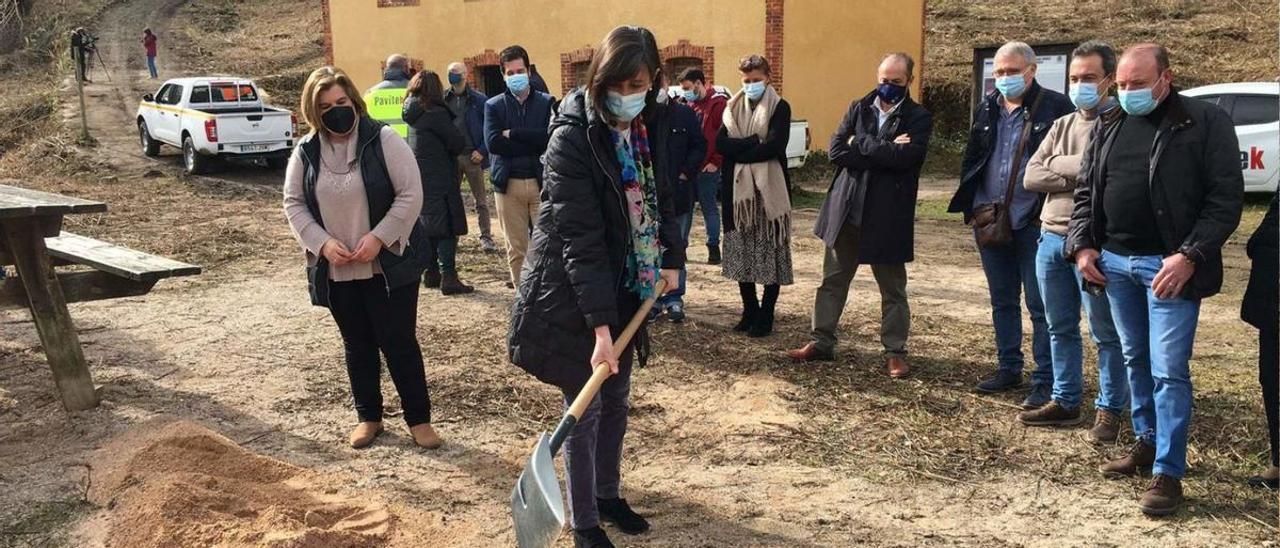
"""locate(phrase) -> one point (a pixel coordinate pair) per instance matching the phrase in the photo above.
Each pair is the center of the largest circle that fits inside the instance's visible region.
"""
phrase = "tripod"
(96, 54)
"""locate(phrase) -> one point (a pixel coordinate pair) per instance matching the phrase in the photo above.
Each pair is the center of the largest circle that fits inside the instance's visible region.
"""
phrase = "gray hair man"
(1007, 128)
(468, 109)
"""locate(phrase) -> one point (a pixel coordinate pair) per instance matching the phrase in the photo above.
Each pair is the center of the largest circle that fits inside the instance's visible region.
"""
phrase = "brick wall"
(572, 62)
(486, 57)
(773, 23)
(682, 48)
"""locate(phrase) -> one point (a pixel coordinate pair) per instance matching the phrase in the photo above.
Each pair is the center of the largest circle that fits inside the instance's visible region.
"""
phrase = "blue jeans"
(677, 296)
(1157, 336)
(708, 186)
(151, 65)
(1010, 271)
(1060, 286)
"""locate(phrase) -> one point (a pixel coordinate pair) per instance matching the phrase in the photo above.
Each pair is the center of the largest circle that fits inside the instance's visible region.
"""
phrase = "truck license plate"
(253, 148)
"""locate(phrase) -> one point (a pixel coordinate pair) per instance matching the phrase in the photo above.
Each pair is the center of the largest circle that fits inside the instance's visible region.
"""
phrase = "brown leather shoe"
(809, 353)
(1106, 427)
(426, 437)
(898, 368)
(1139, 459)
(1052, 414)
(364, 434)
(1163, 497)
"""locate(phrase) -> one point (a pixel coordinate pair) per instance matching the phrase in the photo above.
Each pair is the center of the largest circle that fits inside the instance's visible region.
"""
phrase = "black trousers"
(1269, 377)
(370, 321)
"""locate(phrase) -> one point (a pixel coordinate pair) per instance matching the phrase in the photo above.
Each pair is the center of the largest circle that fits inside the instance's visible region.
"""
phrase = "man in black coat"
(686, 148)
(879, 150)
(1262, 310)
(1160, 191)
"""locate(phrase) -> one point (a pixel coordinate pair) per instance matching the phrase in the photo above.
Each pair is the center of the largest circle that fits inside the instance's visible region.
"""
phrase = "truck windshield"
(231, 93)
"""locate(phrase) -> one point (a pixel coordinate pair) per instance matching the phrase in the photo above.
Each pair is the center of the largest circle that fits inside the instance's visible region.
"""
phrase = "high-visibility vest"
(385, 105)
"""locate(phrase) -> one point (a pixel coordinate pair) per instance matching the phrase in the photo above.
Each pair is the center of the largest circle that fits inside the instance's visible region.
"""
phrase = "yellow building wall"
(443, 31)
(832, 49)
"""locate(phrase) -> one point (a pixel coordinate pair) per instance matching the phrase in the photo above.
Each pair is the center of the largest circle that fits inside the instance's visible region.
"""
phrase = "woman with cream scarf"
(755, 194)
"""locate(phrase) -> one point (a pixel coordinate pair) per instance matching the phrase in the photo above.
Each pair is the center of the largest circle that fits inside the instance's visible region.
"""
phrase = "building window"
(675, 66)
(682, 55)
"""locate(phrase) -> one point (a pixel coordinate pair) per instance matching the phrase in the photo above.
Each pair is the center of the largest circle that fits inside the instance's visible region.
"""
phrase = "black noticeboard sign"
(1052, 61)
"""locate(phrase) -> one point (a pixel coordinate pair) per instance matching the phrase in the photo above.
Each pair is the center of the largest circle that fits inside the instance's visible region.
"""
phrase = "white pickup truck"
(212, 118)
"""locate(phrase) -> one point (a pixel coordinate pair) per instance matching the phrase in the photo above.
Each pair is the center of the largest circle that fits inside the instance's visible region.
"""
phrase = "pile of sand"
(176, 483)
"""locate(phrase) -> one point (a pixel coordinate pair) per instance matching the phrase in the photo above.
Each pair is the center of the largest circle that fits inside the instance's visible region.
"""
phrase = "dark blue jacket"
(522, 151)
(982, 140)
(686, 148)
(475, 120)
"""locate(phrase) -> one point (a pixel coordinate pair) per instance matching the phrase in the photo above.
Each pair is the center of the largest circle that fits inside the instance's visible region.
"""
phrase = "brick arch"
(682, 49)
(573, 64)
(487, 57)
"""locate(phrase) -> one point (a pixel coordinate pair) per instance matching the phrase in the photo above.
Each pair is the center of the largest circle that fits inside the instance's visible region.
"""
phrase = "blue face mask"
(690, 95)
(890, 92)
(1011, 87)
(1139, 102)
(625, 108)
(455, 79)
(1084, 95)
(517, 83)
(754, 90)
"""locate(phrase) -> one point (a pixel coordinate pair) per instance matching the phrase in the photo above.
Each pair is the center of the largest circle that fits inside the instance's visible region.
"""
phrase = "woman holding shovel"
(605, 235)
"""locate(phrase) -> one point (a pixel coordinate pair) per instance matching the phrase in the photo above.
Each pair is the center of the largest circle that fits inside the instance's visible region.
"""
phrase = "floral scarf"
(641, 191)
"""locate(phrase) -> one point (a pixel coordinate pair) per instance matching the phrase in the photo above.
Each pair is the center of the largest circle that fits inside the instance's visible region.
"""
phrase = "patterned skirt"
(754, 256)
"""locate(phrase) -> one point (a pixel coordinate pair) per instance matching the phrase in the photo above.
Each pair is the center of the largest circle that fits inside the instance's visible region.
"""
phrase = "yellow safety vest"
(385, 105)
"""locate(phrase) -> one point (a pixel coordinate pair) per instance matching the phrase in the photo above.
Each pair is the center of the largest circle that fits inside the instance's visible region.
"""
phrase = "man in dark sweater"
(1160, 192)
(515, 132)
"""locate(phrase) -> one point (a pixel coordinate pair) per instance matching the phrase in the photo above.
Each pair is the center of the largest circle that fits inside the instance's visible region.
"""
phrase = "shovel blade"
(537, 506)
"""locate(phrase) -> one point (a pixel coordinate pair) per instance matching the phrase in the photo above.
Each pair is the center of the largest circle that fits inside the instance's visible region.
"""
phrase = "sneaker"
(1106, 427)
(1052, 414)
(1139, 460)
(618, 512)
(1001, 381)
(591, 538)
(713, 254)
(1163, 497)
(1040, 396)
(675, 313)
(487, 245)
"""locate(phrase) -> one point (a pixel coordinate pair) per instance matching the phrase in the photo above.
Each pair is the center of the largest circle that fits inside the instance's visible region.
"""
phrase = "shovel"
(537, 506)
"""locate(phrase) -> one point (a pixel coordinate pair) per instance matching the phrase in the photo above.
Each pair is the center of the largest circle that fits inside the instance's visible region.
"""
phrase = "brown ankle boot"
(426, 437)
(364, 434)
(1106, 427)
(1163, 497)
(451, 285)
(1139, 459)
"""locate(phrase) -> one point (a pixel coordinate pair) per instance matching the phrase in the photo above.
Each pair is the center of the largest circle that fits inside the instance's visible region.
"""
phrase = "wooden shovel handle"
(602, 371)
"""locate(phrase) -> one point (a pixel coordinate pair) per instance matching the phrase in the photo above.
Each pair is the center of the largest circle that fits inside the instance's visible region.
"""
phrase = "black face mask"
(339, 120)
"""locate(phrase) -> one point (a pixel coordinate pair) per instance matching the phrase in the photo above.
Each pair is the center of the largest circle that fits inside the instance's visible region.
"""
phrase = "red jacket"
(149, 41)
(710, 110)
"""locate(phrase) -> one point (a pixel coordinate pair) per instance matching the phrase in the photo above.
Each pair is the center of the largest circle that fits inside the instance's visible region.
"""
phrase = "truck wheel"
(150, 147)
(278, 163)
(194, 163)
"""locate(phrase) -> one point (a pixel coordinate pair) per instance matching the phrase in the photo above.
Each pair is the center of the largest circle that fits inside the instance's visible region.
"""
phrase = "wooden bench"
(118, 271)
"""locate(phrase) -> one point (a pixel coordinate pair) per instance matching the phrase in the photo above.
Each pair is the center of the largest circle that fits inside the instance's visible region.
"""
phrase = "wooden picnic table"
(32, 240)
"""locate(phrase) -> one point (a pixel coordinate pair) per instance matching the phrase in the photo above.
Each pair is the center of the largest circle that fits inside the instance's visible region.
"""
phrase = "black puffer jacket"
(1260, 307)
(436, 143)
(573, 277)
(1197, 190)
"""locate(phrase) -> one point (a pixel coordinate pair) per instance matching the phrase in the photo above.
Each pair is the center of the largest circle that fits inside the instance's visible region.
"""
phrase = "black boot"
(750, 306)
(431, 280)
(713, 254)
(763, 325)
(451, 285)
(591, 538)
(618, 512)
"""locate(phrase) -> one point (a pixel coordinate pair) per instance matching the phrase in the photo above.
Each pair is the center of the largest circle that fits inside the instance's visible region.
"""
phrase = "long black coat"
(436, 143)
(1197, 190)
(573, 277)
(884, 174)
(1261, 298)
(750, 150)
(686, 149)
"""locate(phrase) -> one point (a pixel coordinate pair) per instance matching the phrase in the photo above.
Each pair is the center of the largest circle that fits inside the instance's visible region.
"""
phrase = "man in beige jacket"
(1052, 170)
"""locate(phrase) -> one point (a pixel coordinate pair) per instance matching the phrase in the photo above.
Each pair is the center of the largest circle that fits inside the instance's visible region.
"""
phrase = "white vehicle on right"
(1255, 110)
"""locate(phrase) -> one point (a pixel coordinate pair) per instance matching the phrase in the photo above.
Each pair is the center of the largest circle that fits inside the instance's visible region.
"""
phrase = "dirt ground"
(729, 444)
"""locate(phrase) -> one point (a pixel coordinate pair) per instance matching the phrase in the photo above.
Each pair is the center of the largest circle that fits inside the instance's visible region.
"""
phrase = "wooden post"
(49, 310)
(84, 116)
